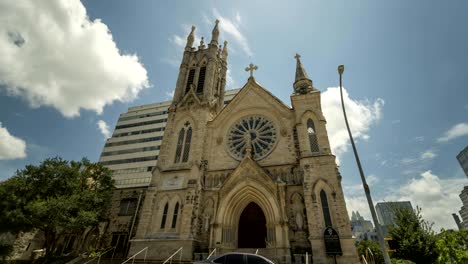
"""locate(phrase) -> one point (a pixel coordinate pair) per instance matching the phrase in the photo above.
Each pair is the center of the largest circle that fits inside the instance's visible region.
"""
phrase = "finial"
(297, 57)
(215, 34)
(202, 44)
(225, 52)
(251, 68)
(190, 38)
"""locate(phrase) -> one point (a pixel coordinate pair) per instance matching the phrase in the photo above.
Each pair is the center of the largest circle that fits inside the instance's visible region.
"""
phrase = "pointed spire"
(302, 82)
(215, 34)
(190, 39)
(225, 52)
(202, 44)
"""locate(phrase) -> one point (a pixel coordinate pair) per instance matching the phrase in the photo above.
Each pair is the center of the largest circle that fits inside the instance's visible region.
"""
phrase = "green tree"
(54, 197)
(452, 246)
(414, 237)
(363, 248)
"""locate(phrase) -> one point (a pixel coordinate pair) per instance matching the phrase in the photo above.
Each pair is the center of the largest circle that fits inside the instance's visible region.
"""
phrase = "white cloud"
(230, 83)
(361, 115)
(456, 131)
(104, 128)
(11, 147)
(231, 28)
(53, 55)
(437, 197)
(238, 17)
(178, 40)
(428, 155)
(170, 94)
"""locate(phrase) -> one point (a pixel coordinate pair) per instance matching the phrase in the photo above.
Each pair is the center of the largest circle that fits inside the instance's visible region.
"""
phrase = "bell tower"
(202, 73)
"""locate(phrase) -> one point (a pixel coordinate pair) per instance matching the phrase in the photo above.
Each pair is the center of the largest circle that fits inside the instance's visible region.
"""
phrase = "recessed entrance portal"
(252, 227)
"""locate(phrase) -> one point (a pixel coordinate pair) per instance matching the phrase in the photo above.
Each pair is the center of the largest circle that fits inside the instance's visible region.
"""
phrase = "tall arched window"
(180, 144)
(201, 79)
(312, 136)
(188, 139)
(190, 78)
(164, 216)
(174, 217)
(325, 209)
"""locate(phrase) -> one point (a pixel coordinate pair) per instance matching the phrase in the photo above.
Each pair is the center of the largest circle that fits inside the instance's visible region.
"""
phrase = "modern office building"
(464, 209)
(462, 157)
(132, 151)
(362, 229)
(386, 211)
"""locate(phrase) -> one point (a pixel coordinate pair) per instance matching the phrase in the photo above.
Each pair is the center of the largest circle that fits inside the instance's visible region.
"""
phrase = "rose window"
(256, 131)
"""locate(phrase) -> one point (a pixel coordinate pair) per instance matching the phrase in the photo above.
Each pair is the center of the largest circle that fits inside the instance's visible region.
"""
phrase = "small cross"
(297, 56)
(251, 68)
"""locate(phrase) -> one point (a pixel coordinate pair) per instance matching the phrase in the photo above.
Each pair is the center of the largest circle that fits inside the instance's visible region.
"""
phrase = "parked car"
(236, 258)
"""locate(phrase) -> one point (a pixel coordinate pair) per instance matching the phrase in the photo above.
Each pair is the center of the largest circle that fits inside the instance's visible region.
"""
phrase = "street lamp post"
(364, 183)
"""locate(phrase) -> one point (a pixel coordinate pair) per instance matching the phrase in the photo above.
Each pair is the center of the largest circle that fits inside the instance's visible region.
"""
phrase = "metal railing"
(133, 257)
(99, 257)
(212, 252)
(172, 256)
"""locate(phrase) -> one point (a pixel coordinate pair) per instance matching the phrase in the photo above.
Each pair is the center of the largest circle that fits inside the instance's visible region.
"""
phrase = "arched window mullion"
(164, 216)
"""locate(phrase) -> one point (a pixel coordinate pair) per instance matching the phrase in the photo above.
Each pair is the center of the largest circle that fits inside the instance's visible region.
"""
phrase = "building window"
(312, 136)
(128, 206)
(325, 209)
(188, 139)
(164, 216)
(190, 78)
(180, 143)
(201, 80)
(174, 217)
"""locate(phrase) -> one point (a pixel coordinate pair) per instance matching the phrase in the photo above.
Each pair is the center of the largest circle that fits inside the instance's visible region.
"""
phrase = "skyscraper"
(462, 158)
(386, 211)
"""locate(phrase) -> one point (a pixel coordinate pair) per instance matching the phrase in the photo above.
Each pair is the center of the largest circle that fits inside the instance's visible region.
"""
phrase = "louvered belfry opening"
(201, 80)
(190, 78)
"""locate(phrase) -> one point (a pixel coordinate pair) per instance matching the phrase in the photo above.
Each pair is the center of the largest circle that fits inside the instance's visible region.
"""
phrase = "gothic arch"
(233, 203)
(318, 186)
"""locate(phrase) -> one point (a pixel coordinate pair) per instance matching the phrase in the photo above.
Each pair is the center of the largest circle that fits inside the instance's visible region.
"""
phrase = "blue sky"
(404, 73)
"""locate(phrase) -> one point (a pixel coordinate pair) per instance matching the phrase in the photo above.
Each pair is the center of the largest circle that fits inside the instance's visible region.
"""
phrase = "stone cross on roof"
(251, 68)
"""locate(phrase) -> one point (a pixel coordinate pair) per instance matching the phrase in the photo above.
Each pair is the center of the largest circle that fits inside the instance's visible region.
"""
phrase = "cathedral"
(255, 174)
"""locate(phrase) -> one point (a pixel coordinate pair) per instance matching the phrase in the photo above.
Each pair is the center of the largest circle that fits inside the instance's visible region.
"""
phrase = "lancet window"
(201, 79)
(174, 217)
(164, 216)
(325, 209)
(183, 144)
(190, 79)
(312, 136)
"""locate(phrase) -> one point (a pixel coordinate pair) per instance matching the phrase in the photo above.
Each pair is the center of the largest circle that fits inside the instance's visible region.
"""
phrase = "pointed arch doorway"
(252, 230)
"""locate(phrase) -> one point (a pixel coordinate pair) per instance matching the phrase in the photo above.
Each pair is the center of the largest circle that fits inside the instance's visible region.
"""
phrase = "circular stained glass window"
(257, 131)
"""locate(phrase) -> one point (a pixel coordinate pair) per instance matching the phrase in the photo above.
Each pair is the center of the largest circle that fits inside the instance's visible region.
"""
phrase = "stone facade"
(278, 192)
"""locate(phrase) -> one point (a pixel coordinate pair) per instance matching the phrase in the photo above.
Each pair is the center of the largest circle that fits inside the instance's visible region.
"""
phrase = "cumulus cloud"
(52, 54)
(104, 128)
(231, 28)
(437, 197)
(458, 130)
(11, 147)
(361, 116)
(428, 155)
(170, 94)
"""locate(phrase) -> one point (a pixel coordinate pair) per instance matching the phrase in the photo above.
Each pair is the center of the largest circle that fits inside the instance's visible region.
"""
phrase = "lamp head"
(341, 69)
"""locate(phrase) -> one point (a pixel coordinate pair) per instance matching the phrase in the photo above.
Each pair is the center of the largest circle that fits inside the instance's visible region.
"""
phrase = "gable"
(252, 96)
